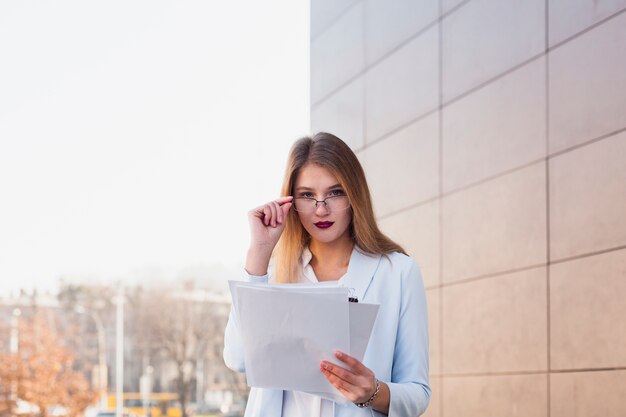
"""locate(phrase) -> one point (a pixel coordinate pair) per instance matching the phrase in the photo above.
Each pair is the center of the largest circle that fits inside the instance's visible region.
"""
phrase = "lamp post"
(14, 348)
(119, 351)
(102, 364)
(145, 387)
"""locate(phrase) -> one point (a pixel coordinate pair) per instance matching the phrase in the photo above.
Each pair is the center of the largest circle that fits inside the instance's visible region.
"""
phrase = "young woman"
(324, 229)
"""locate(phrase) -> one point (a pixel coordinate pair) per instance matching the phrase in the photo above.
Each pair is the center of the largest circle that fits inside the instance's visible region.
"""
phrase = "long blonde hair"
(332, 153)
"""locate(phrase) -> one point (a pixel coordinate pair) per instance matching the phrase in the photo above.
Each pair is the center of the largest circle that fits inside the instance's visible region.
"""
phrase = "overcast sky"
(136, 135)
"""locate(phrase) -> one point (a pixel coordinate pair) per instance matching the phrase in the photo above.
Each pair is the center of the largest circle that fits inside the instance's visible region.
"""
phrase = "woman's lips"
(324, 225)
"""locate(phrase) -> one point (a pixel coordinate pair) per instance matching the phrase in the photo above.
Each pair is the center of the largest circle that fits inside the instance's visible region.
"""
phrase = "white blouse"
(296, 403)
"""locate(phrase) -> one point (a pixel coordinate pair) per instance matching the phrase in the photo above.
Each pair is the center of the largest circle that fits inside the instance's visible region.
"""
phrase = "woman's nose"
(321, 208)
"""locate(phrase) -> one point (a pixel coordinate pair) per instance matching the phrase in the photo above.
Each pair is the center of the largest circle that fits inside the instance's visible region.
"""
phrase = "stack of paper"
(288, 329)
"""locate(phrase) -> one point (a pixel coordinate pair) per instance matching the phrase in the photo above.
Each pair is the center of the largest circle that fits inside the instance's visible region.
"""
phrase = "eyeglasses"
(332, 203)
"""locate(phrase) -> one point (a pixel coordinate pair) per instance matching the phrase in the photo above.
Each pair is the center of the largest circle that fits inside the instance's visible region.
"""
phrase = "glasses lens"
(304, 204)
(339, 202)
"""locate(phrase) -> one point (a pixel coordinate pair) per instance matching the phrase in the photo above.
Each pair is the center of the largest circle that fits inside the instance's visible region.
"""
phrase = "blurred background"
(134, 137)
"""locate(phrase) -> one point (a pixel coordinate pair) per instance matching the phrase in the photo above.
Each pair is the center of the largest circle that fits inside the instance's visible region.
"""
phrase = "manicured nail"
(338, 354)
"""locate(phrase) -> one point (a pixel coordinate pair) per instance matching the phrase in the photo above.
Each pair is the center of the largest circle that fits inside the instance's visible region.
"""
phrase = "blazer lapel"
(361, 270)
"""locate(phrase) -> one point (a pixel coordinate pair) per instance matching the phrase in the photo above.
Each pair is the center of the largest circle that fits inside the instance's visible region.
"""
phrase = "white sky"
(136, 135)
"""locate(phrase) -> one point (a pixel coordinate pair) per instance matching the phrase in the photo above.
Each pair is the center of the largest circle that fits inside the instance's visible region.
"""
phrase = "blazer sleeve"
(233, 347)
(409, 388)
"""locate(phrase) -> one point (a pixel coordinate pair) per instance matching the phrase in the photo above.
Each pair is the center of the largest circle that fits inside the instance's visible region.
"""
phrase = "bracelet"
(369, 402)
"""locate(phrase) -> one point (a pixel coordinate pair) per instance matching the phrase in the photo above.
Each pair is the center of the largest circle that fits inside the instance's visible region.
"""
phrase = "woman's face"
(323, 223)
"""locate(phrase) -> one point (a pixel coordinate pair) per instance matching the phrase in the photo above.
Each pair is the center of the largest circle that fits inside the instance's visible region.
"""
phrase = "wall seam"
(334, 20)
(363, 83)
(574, 370)
(525, 268)
(587, 29)
(523, 373)
(440, 201)
(495, 78)
(452, 10)
(547, 185)
(587, 142)
(587, 255)
(409, 207)
(402, 127)
(492, 275)
(487, 374)
(494, 176)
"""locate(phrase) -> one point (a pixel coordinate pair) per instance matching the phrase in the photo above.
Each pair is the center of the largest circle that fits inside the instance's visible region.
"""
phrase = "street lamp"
(119, 351)
(102, 364)
(14, 348)
(145, 387)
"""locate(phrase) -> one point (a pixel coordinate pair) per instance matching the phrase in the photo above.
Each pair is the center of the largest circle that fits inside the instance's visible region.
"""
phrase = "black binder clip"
(352, 298)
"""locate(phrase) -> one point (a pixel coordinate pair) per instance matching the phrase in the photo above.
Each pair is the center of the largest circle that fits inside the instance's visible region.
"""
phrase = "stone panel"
(389, 23)
(342, 115)
(496, 226)
(496, 396)
(587, 79)
(496, 128)
(403, 86)
(496, 324)
(417, 230)
(403, 169)
(587, 311)
(337, 54)
(589, 394)
(484, 38)
(588, 198)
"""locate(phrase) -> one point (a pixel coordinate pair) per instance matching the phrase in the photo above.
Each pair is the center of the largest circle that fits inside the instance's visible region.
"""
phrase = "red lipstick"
(324, 225)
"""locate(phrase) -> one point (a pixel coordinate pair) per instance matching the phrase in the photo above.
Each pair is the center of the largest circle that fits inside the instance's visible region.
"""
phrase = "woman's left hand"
(357, 384)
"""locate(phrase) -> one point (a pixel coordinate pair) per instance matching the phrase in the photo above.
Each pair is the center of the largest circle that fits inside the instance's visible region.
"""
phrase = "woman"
(324, 229)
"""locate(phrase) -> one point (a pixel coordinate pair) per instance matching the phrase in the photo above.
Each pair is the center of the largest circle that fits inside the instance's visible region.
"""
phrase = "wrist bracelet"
(369, 402)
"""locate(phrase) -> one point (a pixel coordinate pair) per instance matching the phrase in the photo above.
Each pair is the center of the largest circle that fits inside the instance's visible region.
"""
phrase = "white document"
(288, 329)
(362, 318)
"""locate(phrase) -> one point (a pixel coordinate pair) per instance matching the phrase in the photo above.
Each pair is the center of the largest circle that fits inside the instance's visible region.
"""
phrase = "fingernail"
(338, 354)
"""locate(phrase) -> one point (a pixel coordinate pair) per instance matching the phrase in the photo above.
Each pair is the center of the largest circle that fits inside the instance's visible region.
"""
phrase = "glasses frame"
(319, 201)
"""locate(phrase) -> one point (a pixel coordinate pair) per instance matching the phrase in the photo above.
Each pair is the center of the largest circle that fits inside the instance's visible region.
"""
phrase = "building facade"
(493, 135)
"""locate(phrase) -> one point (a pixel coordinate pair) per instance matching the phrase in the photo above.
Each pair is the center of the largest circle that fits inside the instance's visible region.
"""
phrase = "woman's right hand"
(267, 223)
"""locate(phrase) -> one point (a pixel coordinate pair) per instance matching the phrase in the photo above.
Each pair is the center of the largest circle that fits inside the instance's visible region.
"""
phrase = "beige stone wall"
(493, 134)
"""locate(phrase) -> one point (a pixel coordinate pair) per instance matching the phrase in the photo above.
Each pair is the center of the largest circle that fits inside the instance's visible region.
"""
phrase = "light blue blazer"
(398, 348)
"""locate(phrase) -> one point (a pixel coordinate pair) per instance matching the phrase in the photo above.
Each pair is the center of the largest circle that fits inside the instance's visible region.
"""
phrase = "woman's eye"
(306, 194)
(337, 192)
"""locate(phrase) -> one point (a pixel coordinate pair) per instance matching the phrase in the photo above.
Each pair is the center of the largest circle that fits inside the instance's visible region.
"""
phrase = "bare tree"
(178, 326)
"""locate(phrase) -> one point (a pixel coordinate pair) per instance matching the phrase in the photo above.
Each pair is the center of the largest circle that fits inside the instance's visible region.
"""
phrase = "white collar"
(361, 270)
